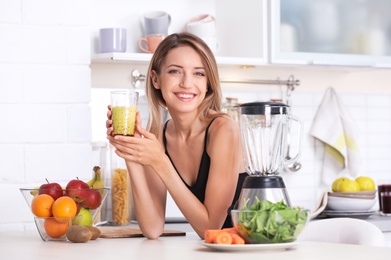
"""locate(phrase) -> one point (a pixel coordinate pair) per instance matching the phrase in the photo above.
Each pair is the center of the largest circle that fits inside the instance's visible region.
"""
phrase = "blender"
(264, 127)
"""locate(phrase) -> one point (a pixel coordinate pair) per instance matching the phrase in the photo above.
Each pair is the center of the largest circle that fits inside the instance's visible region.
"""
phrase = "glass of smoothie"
(123, 111)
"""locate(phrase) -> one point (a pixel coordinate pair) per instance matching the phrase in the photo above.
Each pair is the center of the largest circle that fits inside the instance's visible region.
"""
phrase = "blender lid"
(260, 108)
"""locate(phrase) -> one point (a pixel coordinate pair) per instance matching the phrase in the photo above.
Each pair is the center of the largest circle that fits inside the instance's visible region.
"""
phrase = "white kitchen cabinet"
(241, 28)
(351, 33)
(330, 32)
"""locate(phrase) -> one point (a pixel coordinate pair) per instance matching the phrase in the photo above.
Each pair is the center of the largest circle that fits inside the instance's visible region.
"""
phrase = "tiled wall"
(372, 113)
(44, 99)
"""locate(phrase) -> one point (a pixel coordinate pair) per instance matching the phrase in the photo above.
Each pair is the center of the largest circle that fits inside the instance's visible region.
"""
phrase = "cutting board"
(127, 232)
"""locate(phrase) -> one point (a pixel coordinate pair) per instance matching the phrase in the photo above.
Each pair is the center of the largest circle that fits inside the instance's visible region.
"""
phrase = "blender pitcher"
(263, 129)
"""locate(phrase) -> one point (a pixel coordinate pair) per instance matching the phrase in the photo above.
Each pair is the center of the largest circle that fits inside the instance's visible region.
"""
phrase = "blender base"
(261, 187)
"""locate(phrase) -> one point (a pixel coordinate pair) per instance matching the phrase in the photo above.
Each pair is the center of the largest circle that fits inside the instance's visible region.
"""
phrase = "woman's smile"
(185, 96)
(182, 81)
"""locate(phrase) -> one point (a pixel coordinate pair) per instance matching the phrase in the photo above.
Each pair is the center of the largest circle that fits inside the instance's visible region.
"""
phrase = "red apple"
(53, 189)
(77, 190)
(93, 200)
(78, 207)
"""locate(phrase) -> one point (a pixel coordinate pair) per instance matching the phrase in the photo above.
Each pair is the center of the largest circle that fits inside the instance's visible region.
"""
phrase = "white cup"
(212, 43)
(112, 40)
(156, 23)
(202, 26)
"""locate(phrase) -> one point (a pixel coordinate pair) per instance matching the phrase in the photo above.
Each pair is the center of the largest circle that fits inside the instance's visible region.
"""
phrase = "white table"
(28, 245)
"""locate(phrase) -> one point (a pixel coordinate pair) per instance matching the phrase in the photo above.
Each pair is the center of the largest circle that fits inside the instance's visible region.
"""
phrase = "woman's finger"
(138, 118)
(109, 131)
(145, 133)
(138, 122)
(109, 112)
(109, 122)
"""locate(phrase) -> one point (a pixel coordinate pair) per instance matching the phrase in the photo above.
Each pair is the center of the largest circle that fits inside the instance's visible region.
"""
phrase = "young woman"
(195, 155)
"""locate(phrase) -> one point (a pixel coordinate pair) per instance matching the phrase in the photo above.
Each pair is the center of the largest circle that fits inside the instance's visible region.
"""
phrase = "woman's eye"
(173, 71)
(200, 74)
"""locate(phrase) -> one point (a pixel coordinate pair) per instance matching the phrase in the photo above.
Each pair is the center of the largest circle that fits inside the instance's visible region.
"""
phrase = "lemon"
(337, 183)
(349, 186)
(366, 183)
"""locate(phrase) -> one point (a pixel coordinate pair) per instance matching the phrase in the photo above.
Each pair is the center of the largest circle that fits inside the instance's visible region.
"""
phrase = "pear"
(84, 218)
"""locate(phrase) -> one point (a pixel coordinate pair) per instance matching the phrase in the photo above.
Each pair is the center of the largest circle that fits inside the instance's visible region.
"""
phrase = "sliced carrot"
(231, 229)
(210, 235)
(223, 237)
(236, 239)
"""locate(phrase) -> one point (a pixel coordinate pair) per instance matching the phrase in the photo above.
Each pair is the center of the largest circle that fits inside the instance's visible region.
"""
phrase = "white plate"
(351, 214)
(250, 247)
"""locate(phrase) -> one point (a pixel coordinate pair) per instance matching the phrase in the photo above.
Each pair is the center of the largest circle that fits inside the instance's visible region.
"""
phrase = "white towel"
(338, 131)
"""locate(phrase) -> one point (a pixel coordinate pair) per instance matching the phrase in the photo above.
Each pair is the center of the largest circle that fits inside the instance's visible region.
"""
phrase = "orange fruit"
(64, 209)
(41, 205)
(54, 228)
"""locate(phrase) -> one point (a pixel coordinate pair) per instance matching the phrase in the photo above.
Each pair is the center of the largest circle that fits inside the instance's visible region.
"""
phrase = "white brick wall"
(373, 115)
(44, 99)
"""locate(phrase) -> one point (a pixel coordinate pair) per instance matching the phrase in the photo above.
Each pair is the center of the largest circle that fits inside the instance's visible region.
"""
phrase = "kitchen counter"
(28, 245)
(382, 222)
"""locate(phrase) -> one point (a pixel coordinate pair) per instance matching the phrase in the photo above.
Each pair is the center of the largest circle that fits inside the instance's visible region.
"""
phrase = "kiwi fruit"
(78, 234)
(95, 232)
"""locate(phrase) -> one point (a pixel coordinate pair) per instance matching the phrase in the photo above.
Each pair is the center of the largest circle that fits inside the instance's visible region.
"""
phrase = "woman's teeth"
(185, 95)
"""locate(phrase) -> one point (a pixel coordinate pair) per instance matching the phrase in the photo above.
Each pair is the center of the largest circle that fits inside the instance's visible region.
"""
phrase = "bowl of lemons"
(348, 194)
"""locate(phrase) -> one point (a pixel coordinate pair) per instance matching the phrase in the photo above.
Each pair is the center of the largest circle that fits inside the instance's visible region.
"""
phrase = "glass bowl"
(46, 224)
(269, 227)
(50, 229)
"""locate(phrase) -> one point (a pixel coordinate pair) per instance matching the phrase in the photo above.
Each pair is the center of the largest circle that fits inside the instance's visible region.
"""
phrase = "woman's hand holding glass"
(143, 148)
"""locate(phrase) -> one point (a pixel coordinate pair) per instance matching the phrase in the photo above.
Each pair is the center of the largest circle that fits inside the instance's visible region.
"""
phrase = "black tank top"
(198, 189)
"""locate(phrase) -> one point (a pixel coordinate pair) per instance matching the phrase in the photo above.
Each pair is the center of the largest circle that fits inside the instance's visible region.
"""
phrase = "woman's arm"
(148, 191)
(223, 149)
(149, 199)
(223, 145)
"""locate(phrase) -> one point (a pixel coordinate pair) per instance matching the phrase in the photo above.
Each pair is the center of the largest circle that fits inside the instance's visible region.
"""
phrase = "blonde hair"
(155, 99)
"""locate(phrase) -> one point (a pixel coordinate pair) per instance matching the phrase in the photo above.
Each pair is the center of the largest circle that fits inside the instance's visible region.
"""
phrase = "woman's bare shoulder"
(223, 125)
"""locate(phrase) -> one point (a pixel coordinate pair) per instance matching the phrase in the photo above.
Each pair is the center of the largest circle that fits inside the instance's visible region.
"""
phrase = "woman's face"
(182, 79)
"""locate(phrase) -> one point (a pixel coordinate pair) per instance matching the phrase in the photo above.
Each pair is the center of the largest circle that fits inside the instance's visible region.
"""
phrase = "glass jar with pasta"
(120, 192)
(121, 204)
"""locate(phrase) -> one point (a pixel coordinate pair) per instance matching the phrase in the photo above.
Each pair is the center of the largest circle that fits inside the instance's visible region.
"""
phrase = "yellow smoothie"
(124, 119)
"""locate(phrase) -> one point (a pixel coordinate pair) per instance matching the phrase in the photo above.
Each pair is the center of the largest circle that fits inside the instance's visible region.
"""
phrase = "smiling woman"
(188, 155)
(184, 81)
